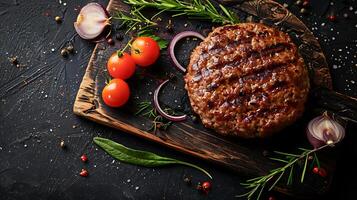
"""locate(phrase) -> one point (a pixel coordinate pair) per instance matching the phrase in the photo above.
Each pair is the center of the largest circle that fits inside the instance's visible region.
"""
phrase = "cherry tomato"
(116, 93)
(145, 51)
(121, 66)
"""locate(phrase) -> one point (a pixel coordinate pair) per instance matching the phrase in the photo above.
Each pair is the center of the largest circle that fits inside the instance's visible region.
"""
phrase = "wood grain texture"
(243, 156)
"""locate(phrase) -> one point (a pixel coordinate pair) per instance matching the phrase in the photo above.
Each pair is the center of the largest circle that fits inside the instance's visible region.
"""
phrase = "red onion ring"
(160, 110)
(324, 130)
(173, 43)
(91, 22)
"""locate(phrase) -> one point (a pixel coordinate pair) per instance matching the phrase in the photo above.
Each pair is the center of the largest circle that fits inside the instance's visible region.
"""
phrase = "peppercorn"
(188, 180)
(271, 198)
(110, 41)
(331, 18)
(84, 158)
(206, 186)
(14, 60)
(83, 173)
(62, 144)
(315, 170)
(70, 48)
(64, 52)
(58, 19)
(322, 172)
(169, 26)
(303, 11)
(305, 3)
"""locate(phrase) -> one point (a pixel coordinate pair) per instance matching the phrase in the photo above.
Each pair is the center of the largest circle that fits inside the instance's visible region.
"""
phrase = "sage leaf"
(137, 157)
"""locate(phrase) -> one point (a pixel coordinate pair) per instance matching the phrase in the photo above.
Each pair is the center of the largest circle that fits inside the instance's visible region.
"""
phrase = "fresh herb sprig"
(134, 20)
(258, 184)
(137, 157)
(199, 9)
(146, 109)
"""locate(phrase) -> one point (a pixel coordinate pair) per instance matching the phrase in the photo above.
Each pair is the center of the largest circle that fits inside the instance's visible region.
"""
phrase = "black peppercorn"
(70, 48)
(14, 60)
(303, 11)
(58, 19)
(299, 2)
(169, 26)
(64, 52)
(188, 180)
(62, 144)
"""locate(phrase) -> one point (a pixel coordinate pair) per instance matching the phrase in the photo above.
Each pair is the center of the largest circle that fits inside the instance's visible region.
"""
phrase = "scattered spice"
(14, 60)
(319, 171)
(70, 48)
(58, 19)
(84, 158)
(305, 3)
(322, 172)
(206, 187)
(62, 144)
(315, 170)
(188, 180)
(110, 41)
(64, 52)
(169, 27)
(303, 11)
(332, 18)
(299, 2)
(83, 173)
(271, 198)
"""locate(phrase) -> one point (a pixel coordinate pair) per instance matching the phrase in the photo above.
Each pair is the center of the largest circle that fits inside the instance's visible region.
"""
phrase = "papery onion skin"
(173, 43)
(160, 110)
(324, 130)
(92, 30)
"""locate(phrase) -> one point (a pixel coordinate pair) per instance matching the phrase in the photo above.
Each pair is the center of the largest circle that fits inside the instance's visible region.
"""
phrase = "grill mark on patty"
(246, 40)
(249, 53)
(242, 98)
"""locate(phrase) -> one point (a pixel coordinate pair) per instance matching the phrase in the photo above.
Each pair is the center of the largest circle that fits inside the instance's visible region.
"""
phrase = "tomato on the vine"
(121, 65)
(145, 51)
(116, 93)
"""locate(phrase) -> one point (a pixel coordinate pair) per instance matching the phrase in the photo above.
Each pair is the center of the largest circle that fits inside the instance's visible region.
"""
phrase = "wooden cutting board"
(248, 157)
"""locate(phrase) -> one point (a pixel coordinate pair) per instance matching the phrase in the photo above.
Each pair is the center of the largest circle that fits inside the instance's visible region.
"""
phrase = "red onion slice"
(91, 21)
(160, 110)
(324, 130)
(173, 43)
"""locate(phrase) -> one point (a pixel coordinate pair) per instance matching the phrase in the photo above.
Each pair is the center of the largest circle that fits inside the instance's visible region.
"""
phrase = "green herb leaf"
(148, 33)
(137, 157)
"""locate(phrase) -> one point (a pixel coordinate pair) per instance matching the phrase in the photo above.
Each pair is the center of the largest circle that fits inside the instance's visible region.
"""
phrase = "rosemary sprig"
(134, 20)
(258, 184)
(146, 109)
(198, 9)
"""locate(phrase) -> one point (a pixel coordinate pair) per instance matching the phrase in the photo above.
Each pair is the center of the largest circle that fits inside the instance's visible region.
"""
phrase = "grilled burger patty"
(247, 80)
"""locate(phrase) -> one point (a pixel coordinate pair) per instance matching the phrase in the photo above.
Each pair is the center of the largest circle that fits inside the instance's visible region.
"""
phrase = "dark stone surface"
(36, 113)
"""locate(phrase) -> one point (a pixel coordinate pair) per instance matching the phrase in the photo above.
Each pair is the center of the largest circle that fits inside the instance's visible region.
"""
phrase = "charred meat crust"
(247, 80)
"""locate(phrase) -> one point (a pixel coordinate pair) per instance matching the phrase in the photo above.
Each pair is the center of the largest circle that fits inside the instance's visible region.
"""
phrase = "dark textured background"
(36, 102)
